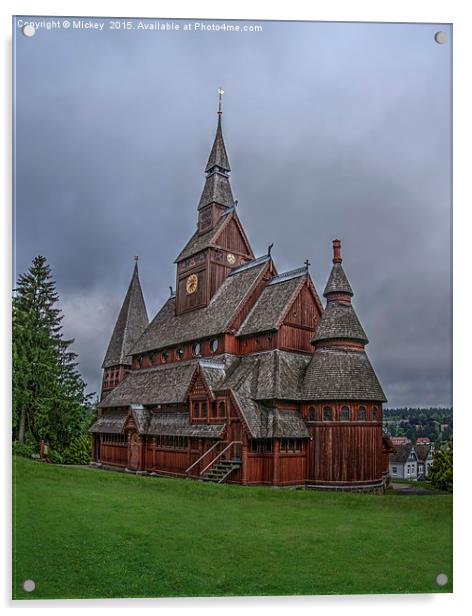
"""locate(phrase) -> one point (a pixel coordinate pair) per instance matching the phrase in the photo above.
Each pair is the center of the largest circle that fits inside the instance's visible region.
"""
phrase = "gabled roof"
(168, 329)
(337, 281)
(335, 374)
(218, 156)
(422, 451)
(200, 241)
(339, 320)
(132, 321)
(401, 454)
(271, 305)
(217, 189)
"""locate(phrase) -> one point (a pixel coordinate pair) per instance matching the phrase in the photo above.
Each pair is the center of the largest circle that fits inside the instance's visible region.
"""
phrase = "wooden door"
(235, 436)
(134, 451)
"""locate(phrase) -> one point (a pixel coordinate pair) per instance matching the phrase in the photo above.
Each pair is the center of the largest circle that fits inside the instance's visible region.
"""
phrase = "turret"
(131, 323)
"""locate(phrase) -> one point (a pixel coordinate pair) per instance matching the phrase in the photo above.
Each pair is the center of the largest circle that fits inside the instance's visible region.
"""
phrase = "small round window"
(214, 345)
(179, 353)
(164, 356)
(196, 349)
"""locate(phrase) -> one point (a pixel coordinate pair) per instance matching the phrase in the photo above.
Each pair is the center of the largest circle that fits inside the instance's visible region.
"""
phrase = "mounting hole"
(29, 585)
(440, 37)
(441, 579)
(28, 30)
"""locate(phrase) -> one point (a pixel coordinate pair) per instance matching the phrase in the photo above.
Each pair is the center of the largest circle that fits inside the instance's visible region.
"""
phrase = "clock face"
(231, 258)
(192, 283)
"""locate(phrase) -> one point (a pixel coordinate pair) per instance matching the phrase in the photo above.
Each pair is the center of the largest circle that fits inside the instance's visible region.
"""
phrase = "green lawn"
(82, 533)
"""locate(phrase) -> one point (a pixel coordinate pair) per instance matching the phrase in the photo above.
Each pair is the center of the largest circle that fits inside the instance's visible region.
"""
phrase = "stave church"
(244, 375)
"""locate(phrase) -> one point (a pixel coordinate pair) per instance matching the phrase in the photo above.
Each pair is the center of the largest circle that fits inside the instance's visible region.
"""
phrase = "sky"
(333, 130)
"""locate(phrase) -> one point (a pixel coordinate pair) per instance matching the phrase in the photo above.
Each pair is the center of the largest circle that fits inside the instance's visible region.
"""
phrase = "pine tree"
(49, 399)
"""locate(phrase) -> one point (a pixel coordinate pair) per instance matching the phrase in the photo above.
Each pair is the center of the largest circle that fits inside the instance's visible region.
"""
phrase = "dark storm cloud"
(333, 130)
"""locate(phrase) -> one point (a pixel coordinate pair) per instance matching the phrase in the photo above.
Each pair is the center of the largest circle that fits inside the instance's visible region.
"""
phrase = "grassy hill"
(82, 533)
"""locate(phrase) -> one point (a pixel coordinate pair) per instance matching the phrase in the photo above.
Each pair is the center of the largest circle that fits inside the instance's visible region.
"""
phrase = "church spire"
(218, 159)
(217, 190)
(131, 323)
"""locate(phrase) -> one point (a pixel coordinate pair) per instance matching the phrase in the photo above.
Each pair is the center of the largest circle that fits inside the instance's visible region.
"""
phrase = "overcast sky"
(332, 130)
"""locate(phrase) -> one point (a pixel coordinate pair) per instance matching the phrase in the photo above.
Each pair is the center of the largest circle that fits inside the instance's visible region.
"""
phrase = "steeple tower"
(219, 243)
(217, 196)
(131, 323)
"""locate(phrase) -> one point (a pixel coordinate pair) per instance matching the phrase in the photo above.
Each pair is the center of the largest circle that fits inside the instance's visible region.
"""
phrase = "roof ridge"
(249, 264)
(295, 273)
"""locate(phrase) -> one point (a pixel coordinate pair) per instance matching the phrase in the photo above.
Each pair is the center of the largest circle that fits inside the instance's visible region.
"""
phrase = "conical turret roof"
(131, 323)
(337, 281)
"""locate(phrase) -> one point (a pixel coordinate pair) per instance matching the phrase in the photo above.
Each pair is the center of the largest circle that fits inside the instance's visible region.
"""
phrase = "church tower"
(219, 243)
(131, 323)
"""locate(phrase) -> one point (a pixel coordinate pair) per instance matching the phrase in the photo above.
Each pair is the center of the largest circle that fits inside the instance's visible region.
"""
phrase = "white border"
(452, 11)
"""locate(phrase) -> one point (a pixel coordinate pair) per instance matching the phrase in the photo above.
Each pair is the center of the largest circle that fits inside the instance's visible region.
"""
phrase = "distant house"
(403, 462)
(410, 461)
(424, 457)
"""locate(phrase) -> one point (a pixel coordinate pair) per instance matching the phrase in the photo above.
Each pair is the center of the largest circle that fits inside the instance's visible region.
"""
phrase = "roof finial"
(171, 291)
(220, 94)
(136, 258)
(269, 250)
(337, 251)
(307, 264)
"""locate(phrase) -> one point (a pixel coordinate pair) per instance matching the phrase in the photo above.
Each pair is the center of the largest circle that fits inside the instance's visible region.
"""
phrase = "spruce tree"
(49, 399)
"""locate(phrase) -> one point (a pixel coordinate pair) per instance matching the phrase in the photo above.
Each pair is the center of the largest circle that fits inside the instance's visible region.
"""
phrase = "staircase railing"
(220, 454)
(228, 446)
(217, 444)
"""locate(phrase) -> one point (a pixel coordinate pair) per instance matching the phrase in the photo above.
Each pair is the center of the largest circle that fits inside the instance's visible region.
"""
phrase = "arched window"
(361, 413)
(179, 353)
(204, 409)
(213, 408)
(214, 345)
(375, 413)
(196, 349)
(196, 409)
(344, 413)
(164, 356)
(327, 413)
(222, 409)
(311, 414)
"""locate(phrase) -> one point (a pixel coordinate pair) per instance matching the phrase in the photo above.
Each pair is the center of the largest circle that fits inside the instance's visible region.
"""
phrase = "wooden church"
(243, 375)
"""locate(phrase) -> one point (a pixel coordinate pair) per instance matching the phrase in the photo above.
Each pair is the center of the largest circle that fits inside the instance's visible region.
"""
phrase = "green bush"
(440, 472)
(56, 457)
(22, 449)
(79, 450)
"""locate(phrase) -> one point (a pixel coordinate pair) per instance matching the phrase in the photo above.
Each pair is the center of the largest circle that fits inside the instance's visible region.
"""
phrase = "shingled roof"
(337, 281)
(167, 328)
(339, 320)
(132, 321)
(335, 374)
(164, 384)
(217, 189)
(112, 423)
(422, 451)
(218, 156)
(271, 305)
(401, 453)
(178, 424)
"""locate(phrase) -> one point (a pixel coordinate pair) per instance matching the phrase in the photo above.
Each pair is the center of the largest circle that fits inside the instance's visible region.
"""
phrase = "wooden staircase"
(224, 459)
(221, 470)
